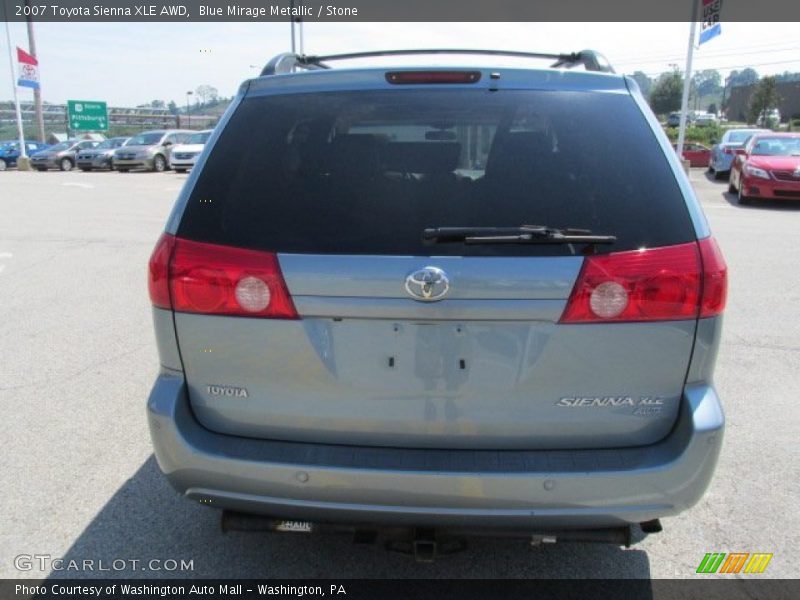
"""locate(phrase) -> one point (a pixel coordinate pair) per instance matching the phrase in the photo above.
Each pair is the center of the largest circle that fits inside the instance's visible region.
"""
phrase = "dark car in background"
(9, 152)
(768, 167)
(723, 152)
(61, 156)
(101, 156)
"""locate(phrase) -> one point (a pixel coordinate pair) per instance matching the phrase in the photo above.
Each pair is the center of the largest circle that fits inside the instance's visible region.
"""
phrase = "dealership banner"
(710, 27)
(28, 69)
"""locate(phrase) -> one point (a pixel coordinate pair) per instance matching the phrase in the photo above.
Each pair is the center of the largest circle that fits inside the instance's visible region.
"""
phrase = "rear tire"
(180, 170)
(159, 163)
(65, 164)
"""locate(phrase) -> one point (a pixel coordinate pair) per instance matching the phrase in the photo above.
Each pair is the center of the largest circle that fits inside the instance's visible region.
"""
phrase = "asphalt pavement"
(77, 359)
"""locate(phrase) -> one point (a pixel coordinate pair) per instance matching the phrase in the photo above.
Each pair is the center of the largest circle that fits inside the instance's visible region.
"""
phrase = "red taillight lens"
(727, 151)
(407, 77)
(212, 279)
(715, 279)
(158, 272)
(657, 284)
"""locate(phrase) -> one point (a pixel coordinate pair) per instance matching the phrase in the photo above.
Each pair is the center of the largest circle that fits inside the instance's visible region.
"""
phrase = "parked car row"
(157, 150)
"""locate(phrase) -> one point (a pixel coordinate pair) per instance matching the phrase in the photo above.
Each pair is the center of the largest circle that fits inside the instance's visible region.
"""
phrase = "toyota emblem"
(428, 284)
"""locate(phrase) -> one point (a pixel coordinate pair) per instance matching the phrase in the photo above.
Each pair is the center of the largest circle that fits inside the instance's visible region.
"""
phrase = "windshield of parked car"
(739, 137)
(145, 139)
(199, 138)
(776, 147)
(62, 146)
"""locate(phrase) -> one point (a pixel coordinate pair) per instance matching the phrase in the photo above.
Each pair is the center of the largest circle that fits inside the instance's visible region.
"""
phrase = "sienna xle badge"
(438, 301)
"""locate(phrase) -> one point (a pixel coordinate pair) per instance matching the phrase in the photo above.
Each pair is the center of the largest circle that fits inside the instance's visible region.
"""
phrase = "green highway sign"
(87, 115)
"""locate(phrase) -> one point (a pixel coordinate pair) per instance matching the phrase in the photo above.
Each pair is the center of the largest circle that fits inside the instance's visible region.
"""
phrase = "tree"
(707, 82)
(206, 93)
(158, 104)
(744, 77)
(666, 94)
(644, 82)
(173, 108)
(765, 97)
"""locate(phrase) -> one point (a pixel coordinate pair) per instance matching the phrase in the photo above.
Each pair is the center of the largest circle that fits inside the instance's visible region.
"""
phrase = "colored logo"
(734, 562)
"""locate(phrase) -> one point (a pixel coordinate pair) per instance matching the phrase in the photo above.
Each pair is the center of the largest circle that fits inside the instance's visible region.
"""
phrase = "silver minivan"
(149, 150)
(438, 300)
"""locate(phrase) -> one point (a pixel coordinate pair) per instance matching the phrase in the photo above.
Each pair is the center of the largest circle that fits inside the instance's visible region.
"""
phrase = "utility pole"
(291, 23)
(37, 91)
(687, 77)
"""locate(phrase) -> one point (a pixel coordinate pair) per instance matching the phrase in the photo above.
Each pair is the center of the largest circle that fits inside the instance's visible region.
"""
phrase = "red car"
(697, 154)
(767, 167)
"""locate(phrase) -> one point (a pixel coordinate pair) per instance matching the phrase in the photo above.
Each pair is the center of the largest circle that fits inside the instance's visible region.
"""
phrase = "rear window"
(366, 172)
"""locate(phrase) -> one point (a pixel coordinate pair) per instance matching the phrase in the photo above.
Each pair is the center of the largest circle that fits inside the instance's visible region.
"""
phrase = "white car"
(184, 156)
(705, 119)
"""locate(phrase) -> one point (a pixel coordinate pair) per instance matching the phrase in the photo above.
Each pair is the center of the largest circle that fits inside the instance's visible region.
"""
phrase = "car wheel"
(743, 200)
(719, 175)
(3, 165)
(180, 170)
(65, 164)
(159, 163)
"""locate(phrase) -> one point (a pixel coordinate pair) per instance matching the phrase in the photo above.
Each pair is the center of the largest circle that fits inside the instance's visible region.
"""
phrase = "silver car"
(149, 150)
(431, 301)
(61, 156)
(99, 157)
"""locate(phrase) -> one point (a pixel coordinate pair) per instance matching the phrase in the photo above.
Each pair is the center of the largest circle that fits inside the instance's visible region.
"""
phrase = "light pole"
(188, 118)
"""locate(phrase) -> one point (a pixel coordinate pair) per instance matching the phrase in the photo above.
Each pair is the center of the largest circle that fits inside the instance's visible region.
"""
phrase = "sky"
(127, 64)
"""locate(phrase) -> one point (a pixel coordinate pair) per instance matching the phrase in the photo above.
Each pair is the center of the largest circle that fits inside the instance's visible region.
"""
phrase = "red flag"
(26, 58)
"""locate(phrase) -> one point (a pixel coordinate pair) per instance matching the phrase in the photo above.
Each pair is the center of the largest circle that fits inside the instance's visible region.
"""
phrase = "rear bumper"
(437, 488)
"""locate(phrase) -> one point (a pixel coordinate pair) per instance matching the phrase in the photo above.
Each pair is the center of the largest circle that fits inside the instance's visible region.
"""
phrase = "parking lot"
(78, 359)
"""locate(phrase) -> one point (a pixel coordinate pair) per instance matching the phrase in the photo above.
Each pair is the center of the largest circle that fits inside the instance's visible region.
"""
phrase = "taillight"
(158, 272)
(715, 278)
(408, 77)
(220, 280)
(656, 284)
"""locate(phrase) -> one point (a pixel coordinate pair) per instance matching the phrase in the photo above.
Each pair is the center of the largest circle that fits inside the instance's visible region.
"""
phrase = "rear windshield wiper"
(526, 234)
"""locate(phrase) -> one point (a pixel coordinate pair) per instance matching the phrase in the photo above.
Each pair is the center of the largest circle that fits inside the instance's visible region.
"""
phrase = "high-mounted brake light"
(658, 284)
(408, 77)
(205, 278)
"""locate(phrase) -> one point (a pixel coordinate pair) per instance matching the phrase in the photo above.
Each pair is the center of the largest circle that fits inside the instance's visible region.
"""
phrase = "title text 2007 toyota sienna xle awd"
(435, 300)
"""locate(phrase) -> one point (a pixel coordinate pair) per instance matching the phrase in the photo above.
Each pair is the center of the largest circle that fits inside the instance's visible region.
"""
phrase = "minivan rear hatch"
(437, 343)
